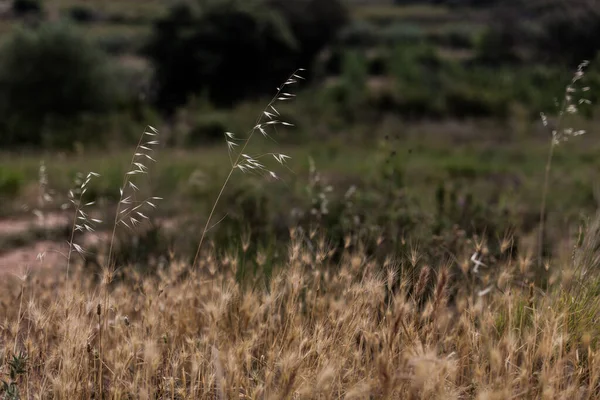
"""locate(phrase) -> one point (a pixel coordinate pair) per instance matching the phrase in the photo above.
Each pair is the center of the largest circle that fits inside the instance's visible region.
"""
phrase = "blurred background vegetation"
(421, 116)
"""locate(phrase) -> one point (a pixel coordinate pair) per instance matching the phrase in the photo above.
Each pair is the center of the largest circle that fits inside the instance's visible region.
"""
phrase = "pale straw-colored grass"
(336, 331)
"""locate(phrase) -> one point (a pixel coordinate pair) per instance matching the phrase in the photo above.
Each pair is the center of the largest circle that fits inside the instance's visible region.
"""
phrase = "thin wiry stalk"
(558, 134)
(71, 240)
(236, 163)
(126, 180)
(543, 205)
(80, 215)
(135, 168)
(19, 314)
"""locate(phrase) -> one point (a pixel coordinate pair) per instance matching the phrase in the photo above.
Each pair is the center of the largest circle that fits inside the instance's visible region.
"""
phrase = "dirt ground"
(39, 254)
(46, 253)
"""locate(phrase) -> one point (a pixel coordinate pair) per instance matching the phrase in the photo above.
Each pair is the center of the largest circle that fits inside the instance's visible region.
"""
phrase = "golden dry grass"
(354, 329)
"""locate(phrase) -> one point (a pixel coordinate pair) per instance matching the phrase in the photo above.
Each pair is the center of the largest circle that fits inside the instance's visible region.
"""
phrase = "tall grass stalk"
(81, 220)
(245, 162)
(128, 213)
(559, 134)
(543, 205)
(126, 207)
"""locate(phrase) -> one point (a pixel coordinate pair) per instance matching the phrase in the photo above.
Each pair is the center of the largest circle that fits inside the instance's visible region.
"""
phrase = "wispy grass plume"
(574, 97)
(268, 120)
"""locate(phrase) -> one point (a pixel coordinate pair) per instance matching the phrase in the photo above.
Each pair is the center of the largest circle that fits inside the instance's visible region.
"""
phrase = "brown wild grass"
(355, 329)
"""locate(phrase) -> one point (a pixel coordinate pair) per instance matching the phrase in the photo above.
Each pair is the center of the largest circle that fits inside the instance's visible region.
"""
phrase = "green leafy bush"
(50, 74)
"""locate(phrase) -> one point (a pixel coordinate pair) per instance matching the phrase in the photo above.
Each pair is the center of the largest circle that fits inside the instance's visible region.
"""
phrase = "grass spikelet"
(422, 283)
(245, 162)
(439, 298)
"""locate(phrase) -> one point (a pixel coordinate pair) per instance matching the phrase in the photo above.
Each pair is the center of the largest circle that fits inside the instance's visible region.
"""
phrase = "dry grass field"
(354, 328)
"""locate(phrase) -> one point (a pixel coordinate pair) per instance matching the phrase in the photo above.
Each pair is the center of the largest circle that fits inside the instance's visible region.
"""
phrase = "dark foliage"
(233, 50)
(23, 7)
(545, 32)
(49, 74)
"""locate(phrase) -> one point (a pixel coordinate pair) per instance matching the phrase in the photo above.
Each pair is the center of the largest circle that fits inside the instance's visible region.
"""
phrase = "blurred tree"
(314, 24)
(50, 73)
(234, 49)
(230, 49)
(22, 7)
(570, 30)
(542, 31)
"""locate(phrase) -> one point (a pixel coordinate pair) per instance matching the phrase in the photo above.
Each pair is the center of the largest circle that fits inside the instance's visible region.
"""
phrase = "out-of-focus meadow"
(430, 110)
(418, 135)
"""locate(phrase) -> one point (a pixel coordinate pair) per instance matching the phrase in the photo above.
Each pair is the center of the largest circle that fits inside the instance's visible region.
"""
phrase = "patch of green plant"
(11, 181)
(17, 367)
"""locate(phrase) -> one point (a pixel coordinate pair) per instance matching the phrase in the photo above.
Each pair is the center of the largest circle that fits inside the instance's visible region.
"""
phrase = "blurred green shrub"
(359, 33)
(469, 101)
(354, 82)
(314, 25)
(551, 32)
(399, 33)
(83, 14)
(330, 63)
(414, 80)
(50, 74)
(377, 62)
(415, 72)
(208, 128)
(10, 182)
(415, 63)
(459, 38)
(118, 44)
(570, 31)
(72, 132)
(500, 45)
